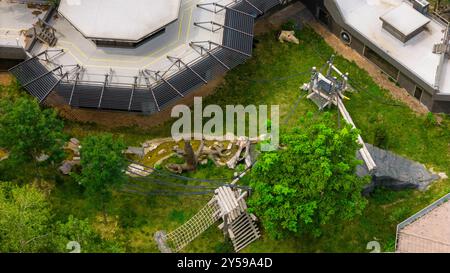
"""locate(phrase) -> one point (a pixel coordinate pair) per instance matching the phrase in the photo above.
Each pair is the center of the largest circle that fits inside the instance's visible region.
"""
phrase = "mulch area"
(5, 78)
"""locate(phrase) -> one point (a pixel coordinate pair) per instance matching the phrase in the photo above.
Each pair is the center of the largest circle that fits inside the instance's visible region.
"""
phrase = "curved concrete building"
(139, 55)
(127, 22)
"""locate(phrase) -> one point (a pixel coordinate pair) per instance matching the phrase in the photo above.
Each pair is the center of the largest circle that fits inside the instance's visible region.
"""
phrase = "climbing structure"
(194, 227)
(327, 90)
(228, 205)
(45, 33)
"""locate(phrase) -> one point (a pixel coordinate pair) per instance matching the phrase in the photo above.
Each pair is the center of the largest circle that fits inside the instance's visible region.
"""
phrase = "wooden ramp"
(243, 231)
(365, 154)
(238, 224)
(328, 90)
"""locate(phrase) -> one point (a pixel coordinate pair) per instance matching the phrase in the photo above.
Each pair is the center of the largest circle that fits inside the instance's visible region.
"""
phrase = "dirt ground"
(381, 79)
(5, 78)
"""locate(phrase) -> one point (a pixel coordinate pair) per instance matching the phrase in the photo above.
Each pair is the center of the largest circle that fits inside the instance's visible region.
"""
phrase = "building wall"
(382, 63)
(11, 56)
(12, 53)
(407, 83)
(427, 100)
(358, 46)
(441, 107)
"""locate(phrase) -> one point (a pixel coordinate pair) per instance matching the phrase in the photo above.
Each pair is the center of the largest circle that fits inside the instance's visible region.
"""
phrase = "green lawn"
(273, 76)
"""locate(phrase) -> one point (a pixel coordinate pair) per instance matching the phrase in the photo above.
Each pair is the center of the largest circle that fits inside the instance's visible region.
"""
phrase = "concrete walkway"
(15, 19)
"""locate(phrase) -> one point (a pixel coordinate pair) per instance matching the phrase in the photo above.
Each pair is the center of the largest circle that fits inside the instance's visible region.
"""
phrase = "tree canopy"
(103, 168)
(24, 216)
(27, 225)
(310, 181)
(28, 131)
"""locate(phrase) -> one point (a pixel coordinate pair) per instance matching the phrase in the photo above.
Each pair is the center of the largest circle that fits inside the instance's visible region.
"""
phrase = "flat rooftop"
(131, 20)
(428, 234)
(416, 54)
(405, 19)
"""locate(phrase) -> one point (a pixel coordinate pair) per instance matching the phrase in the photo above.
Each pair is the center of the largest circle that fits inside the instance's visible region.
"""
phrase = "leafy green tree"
(103, 168)
(24, 218)
(27, 131)
(310, 181)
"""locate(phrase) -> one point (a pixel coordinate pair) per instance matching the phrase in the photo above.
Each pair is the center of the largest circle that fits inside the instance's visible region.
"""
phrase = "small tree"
(310, 181)
(24, 217)
(103, 168)
(28, 131)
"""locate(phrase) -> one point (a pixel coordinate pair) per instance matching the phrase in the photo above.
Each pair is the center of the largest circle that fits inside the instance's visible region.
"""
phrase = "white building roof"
(405, 19)
(131, 20)
(416, 54)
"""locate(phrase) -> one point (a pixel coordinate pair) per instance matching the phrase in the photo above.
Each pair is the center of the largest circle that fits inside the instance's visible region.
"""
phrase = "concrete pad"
(15, 19)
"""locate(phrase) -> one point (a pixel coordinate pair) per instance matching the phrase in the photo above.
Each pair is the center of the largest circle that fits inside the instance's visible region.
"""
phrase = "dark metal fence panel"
(254, 7)
(265, 5)
(87, 96)
(143, 102)
(238, 33)
(35, 78)
(115, 98)
(64, 90)
(164, 94)
(208, 67)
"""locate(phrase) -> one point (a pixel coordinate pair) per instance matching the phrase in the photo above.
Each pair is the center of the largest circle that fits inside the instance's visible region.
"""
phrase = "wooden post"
(339, 118)
(313, 78)
(225, 226)
(345, 86)
(330, 67)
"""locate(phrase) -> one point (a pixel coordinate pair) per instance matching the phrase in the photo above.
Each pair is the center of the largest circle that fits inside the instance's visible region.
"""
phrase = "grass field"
(273, 76)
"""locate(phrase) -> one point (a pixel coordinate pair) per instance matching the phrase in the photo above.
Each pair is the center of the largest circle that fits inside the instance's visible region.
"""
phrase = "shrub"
(430, 120)
(381, 138)
(289, 25)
